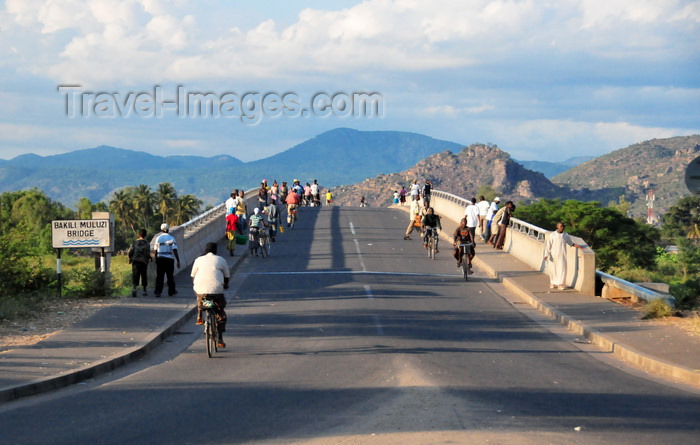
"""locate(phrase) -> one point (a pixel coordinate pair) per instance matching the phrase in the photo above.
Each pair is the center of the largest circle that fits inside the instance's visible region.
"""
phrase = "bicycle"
(211, 333)
(431, 241)
(464, 260)
(264, 239)
(292, 216)
(254, 241)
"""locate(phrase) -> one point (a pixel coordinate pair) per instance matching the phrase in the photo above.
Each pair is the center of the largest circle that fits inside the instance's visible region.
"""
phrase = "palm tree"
(186, 207)
(165, 198)
(143, 202)
(123, 209)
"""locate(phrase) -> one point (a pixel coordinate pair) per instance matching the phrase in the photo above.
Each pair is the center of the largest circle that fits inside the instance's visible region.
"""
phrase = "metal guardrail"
(638, 291)
(516, 224)
(450, 197)
(204, 218)
(528, 229)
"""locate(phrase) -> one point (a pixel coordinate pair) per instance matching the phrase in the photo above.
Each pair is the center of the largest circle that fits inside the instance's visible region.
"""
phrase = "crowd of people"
(487, 217)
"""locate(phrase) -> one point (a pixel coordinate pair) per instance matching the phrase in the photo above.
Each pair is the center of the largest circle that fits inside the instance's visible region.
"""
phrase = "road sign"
(692, 176)
(70, 234)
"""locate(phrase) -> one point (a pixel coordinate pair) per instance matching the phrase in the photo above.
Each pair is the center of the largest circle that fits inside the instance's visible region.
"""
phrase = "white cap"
(497, 199)
(256, 210)
(164, 227)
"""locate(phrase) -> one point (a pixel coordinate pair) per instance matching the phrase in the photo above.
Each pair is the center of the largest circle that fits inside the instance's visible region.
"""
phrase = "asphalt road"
(348, 334)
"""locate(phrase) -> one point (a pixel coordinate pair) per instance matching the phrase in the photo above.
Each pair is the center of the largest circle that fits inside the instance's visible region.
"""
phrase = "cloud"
(137, 40)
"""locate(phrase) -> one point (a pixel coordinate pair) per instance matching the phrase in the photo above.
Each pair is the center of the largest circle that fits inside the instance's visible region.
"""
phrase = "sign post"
(79, 233)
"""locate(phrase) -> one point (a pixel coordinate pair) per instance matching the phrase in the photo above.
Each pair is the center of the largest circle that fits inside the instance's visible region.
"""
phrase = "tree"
(143, 199)
(622, 206)
(186, 207)
(617, 240)
(487, 192)
(165, 198)
(123, 209)
(682, 219)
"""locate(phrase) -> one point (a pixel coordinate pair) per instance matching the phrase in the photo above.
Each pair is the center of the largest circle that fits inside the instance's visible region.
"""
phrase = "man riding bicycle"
(293, 201)
(431, 224)
(463, 235)
(210, 275)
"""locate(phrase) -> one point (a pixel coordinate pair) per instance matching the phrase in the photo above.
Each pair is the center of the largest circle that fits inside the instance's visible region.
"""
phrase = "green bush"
(85, 282)
(685, 292)
(658, 309)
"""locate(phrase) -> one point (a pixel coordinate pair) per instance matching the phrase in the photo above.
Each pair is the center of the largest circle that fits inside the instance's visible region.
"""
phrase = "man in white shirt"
(493, 208)
(316, 193)
(415, 189)
(231, 202)
(210, 275)
(165, 248)
(483, 206)
(472, 215)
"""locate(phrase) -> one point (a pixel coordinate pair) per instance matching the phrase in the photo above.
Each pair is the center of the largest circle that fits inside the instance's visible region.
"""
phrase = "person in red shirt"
(231, 229)
(293, 200)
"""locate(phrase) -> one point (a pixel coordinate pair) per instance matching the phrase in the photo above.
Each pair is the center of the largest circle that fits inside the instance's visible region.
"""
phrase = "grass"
(76, 271)
(658, 309)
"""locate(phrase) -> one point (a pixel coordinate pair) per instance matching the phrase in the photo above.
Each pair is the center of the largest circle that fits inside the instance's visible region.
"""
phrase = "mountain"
(551, 169)
(461, 173)
(335, 157)
(657, 164)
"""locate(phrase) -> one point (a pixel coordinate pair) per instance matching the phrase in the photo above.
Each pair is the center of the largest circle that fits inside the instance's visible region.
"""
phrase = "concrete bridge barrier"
(526, 242)
(193, 236)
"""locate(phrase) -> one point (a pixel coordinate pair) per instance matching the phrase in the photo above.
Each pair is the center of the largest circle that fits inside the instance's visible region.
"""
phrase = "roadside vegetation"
(28, 262)
(631, 249)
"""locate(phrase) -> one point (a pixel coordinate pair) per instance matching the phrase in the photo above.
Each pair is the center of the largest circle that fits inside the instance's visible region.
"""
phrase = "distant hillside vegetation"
(334, 157)
(461, 173)
(657, 164)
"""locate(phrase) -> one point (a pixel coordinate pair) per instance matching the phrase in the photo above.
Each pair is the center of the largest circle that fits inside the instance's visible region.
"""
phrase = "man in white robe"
(555, 253)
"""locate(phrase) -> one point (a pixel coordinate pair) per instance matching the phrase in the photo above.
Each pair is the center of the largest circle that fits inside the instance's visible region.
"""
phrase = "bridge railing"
(210, 226)
(526, 242)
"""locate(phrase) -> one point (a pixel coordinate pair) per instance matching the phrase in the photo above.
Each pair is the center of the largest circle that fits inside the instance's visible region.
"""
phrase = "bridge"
(348, 333)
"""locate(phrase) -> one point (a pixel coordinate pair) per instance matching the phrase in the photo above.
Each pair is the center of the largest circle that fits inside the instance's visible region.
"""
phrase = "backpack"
(141, 251)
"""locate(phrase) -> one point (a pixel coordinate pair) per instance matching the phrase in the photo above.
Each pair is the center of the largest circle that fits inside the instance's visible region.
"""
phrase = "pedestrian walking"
(139, 256)
(166, 254)
(472, 215)
(413, 222)
(493, 209)
(231, 230)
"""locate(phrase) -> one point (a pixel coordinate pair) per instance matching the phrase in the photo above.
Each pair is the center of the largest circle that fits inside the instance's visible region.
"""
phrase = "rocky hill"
(657, 164)
(461, 173)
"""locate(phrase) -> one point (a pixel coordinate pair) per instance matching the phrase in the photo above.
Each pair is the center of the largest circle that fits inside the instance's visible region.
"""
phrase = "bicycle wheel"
(263, 247)
(208, 336)
(268, 245)
(432, 248)
(465, 267)
(214, 331)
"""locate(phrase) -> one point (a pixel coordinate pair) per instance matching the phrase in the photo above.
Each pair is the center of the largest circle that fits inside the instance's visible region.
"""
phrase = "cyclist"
(463, 235)
(307, 195)
(231, 229)
(316, 193)
(329, 198)
(298, 188)
(210, 275)
(262, 193)
(292, 203)
(257, 222)
(431, 223)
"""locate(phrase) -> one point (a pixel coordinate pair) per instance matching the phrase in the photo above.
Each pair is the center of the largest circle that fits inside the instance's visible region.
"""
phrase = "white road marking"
(352, 228)
(375, 318)
(351, 272)
(359, 254)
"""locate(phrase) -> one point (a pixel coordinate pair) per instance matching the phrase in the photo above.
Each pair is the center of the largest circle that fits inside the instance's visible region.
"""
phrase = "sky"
(543, 80)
